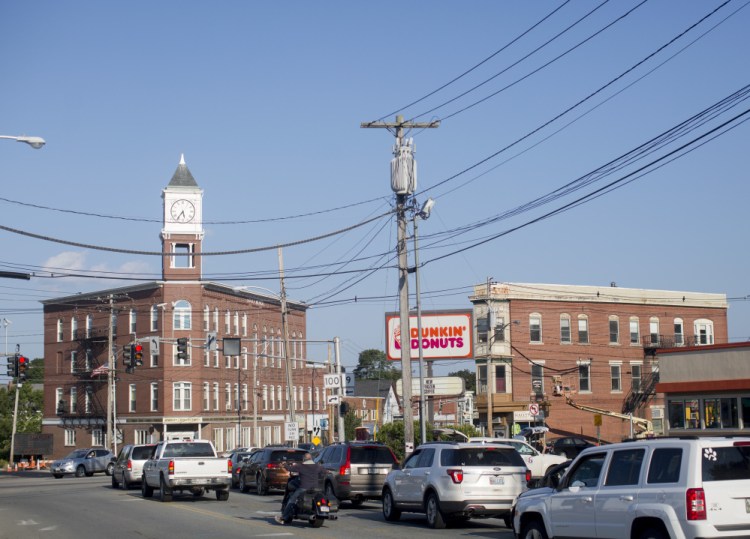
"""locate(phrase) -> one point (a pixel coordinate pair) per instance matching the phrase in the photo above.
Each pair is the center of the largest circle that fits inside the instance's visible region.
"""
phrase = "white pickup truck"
(186, 465)
(535, 461)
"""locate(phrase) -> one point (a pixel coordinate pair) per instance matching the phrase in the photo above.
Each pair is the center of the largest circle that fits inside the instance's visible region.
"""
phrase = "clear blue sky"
(265, 100)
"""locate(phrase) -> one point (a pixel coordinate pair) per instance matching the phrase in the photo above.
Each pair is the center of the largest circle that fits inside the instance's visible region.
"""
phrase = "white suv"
(646, 489)
(452, 482)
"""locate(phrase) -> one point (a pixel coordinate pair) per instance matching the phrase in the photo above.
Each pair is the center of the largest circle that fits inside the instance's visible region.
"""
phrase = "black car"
(568, 446)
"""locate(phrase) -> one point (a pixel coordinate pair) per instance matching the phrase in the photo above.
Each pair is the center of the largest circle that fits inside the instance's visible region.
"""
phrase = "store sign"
(445, 335)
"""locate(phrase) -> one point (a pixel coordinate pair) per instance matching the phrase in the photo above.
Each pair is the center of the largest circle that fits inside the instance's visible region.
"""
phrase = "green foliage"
(29, 414)
(392, 435)
(35, 372)
(470, 379)
(374, 365)
(351, 422)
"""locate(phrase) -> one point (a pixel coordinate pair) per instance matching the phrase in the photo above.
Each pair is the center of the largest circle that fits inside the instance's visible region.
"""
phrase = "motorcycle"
(312, 506)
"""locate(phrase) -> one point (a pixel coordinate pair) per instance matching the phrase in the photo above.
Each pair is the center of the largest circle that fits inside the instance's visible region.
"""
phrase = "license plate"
(372, 471)
(324, 509)
(497, 480)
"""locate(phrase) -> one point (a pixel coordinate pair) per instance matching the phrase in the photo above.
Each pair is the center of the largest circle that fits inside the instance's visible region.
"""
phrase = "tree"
(29, 414)
(470, 379)
(374, 365)
(351, 422)
(392, 435)
(35, 372)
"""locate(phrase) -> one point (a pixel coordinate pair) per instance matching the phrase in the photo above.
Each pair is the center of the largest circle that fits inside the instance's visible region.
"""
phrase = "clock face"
(182, 211)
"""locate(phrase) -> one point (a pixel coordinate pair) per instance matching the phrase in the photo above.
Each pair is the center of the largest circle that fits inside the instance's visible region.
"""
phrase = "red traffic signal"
(138, 354)
(23, 363)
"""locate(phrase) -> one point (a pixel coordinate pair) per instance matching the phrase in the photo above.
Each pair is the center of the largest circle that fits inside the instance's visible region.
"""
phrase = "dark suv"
(264, 469)
(356, 470)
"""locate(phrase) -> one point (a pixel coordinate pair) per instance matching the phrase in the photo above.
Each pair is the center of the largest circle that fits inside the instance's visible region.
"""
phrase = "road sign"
(334, 399)
(291, 431)
(211, 343)
(331, 381)
(349, 379)
(316, 432)
(534, 408)
(154, 345)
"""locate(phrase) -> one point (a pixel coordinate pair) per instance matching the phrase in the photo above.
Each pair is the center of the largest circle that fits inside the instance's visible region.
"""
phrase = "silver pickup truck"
(186, 466)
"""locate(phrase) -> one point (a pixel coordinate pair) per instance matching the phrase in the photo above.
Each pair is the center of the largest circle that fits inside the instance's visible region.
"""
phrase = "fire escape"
(88, 408)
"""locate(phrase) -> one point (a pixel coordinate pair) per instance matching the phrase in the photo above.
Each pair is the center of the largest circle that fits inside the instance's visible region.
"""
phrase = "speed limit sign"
(534, 409)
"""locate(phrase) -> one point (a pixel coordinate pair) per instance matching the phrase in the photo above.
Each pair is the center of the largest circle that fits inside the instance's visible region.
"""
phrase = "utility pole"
(342, 391)
(403, 183)
(285, 330)
(490, 371)
(110, 379)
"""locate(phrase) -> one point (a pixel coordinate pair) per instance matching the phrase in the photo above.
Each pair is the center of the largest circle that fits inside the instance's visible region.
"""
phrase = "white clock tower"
(182, 231)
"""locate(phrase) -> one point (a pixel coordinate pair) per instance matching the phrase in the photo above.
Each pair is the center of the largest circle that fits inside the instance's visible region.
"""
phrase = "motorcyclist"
(310, 475)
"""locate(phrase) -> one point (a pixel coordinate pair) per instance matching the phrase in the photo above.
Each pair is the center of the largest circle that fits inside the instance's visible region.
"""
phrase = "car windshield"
(77, 454)
(481, 456)
(372, 454)
(287, 456)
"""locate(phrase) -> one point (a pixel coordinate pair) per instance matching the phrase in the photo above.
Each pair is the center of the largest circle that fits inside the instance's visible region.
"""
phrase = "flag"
(101, 369)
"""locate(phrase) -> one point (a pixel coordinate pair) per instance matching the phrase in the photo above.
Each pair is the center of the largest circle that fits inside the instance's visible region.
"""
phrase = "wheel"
(115, 483)
(260, 486)
(222, 495)
(244, 487)
(124, 482)
(316, 522)
(533, 530)
(390, 512)
(110, 469)
(80, 471)
(146, 491)
(435, 518)
(654, 533)
(57, 475)
(165, 495)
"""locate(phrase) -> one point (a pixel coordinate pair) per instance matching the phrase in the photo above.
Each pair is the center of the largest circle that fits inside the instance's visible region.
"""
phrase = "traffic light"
(182, 348)
(12, 366)
(127, 355)
(22, 365)
(343, 408)
(138, 354)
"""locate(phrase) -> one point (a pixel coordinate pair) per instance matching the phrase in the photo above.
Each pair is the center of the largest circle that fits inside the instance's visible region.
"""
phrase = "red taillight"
(130, 465)
(229, 466)
(528, 475)
(695, 500)
(456, 475)
(346, 469)
(741, 444)
(272, 465)
(170, 469)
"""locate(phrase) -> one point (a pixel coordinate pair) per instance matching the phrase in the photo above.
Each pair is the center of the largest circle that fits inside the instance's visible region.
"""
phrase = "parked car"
(539, 463)
(646, 489)
(568, 446)
(83, 462)
(238, 450)
(264, 468)
(237, 458)
(128, 466)
(452, 482)
(356, 471)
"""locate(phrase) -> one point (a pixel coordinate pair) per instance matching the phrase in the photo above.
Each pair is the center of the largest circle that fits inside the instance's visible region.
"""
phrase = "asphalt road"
(34, 504)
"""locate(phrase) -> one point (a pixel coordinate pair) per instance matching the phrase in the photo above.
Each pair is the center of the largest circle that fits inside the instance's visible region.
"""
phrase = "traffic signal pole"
(15, 411)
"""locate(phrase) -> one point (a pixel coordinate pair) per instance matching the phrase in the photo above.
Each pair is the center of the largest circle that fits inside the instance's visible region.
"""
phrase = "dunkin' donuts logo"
(442, 336)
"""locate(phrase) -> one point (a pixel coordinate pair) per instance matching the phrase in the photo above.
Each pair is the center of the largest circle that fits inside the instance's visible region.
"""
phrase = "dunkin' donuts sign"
(444, 335)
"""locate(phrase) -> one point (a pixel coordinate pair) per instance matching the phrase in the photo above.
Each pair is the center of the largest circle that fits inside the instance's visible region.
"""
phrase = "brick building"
(208, 394)
(593, 346)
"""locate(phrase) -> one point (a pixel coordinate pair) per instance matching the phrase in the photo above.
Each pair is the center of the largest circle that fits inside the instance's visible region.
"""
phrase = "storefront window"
(711, 413)
(729, 414)
(692, 414)
(676, 415)
(746, 413)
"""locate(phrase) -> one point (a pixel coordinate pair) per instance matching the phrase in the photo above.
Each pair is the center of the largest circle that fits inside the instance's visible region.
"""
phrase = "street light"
(423, 213)
(34, 142)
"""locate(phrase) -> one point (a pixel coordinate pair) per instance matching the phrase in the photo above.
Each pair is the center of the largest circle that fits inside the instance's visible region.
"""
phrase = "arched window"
(704, 331)
(73, 328)
(583, 329)
(154, 318)
(181, 319)
(535, 327)
(679, 332)
(653, 329)
(614, 329)
(59, 330)
(89, 325)
(565, 328)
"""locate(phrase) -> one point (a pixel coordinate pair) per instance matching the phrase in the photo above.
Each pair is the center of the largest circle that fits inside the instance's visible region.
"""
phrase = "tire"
(80, 471)
(533, 530)
(146, 491)
(222, 495)
(435, 519)
(654, 533)
(260, 487)
(115, 483)
(124, 483)
(244, 487)
(165, 495)
(390, 512)
(316, 522)
(110, 469)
